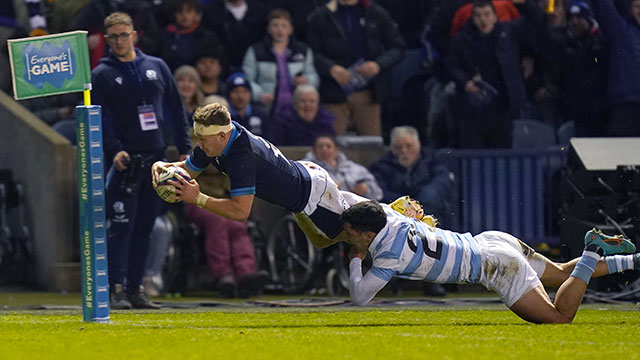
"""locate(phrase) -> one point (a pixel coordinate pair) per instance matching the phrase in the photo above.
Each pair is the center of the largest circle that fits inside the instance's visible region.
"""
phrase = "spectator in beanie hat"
(254, 118)
(581, 9)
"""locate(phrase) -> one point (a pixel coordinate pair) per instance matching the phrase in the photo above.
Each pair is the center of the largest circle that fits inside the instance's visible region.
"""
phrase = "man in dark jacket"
(410, 169)
(354, 42)
(134, 90)
(579, 50)
(620, 25)
(183, 40)
(484, 62)
(238, 24)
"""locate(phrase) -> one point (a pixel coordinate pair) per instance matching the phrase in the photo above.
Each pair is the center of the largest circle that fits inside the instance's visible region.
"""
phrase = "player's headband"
(203, 130)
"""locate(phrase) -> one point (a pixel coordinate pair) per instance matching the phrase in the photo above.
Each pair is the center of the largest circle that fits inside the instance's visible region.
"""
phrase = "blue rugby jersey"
(411, 249)
(255, 166)
(121, 87)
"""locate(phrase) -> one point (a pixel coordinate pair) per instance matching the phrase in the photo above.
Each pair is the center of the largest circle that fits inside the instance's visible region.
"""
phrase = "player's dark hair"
(212, 114)
(483, 3)
(365, 216)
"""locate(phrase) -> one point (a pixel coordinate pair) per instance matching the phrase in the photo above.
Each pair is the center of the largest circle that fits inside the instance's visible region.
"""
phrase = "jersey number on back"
(414, 236)
(269, 146)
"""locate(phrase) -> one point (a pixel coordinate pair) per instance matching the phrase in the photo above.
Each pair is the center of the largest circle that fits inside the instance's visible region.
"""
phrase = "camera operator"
(141, 110)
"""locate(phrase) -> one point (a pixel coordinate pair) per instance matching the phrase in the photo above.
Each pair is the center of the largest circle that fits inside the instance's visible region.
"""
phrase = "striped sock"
(586, 265)
(619, 263)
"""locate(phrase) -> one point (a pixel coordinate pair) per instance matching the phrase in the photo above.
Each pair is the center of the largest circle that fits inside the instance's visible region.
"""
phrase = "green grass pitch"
(489, 332)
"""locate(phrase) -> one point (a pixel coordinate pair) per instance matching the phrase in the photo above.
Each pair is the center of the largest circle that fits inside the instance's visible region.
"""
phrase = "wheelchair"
(296, 266)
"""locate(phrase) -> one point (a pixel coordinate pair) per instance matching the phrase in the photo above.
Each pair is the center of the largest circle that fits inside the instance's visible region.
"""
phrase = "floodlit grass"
(599, 332)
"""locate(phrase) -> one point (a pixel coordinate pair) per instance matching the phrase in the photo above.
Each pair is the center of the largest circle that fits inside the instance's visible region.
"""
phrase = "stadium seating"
(532, 134)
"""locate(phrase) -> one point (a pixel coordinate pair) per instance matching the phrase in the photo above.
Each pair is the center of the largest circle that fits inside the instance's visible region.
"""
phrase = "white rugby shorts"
(325, 192)
(505, 268)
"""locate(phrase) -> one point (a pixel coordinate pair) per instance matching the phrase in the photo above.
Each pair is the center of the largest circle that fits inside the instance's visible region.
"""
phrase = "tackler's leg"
(315, 235)
(535, 306)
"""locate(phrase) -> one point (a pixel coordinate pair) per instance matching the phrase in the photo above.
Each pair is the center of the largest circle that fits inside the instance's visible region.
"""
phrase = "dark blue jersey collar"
(232, 139)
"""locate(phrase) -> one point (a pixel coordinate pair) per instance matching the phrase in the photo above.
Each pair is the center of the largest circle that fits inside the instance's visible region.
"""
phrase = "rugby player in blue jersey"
(256, 167)
(409, 248)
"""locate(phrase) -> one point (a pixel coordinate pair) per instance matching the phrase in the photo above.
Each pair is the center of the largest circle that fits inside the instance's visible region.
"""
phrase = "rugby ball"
(166, 191)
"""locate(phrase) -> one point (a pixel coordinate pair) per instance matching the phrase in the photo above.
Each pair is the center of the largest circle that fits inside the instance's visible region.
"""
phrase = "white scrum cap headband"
(203, 130)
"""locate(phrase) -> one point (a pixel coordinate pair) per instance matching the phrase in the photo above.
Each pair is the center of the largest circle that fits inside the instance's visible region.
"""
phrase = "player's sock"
(620, 263)
(587, 263)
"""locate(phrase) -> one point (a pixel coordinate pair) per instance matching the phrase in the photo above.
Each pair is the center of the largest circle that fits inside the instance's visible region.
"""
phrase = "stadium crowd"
(449, 73)
(573, 64)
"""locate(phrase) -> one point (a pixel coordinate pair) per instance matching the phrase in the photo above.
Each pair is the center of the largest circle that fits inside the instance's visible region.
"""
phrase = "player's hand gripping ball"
(166, 191)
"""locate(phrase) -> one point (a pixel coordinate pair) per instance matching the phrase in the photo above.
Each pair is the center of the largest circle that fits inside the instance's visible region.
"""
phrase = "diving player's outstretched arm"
(237, 208)
(362, 289)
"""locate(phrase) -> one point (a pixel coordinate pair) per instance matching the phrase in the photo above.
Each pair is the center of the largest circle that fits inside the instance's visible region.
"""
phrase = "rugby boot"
(610, 245)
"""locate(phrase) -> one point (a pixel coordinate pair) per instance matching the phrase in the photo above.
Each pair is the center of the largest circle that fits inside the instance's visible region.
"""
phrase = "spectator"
(299, 11)
(181, 41)
(210, 67)
(505, 10)
(349, 175)
(138, 97)
(354, 43)
(300, 124)
(230, 254)
(578, 50)
(410, 169)
(621, 29)
(188, 82)
(238, 24)
(239, 94)
(91, 17)
(484, 63)
(278, 64)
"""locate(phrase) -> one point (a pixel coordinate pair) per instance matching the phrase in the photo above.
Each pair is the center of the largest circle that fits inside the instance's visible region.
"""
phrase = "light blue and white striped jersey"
(411, 249)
